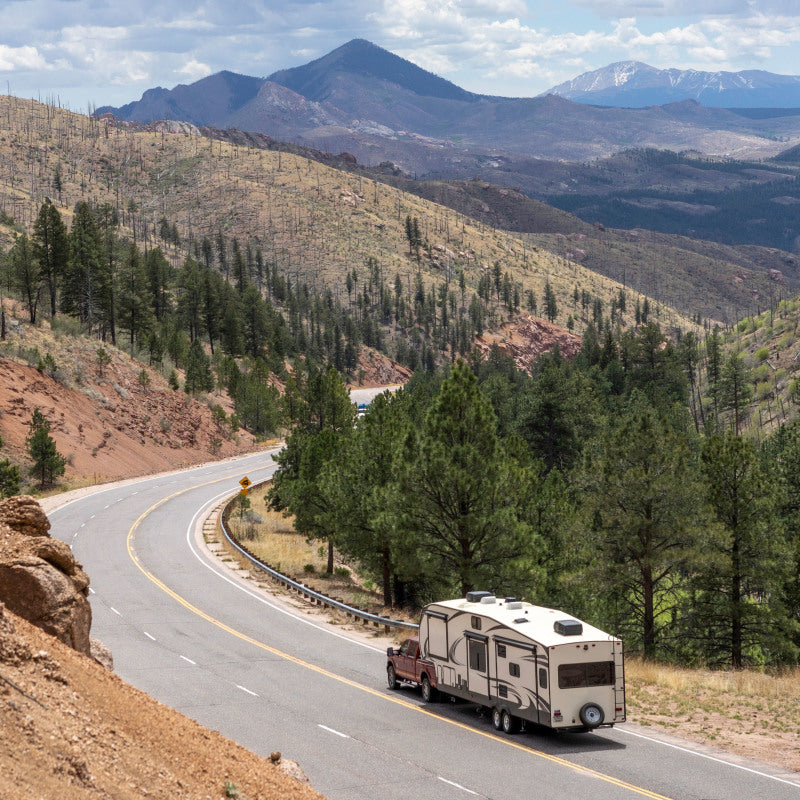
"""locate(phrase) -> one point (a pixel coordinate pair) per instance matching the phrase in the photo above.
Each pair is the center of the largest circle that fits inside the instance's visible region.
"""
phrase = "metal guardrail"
(306, 591)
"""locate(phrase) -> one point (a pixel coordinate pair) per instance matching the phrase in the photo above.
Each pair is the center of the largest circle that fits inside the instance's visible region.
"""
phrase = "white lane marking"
(245, 689)
(149, 636)
(92, 591)
(189, 660)
(83, 525)
(260, 599)
(457, 785)
(115, 611)
(331, 730)
(710, 758)
(93, 515)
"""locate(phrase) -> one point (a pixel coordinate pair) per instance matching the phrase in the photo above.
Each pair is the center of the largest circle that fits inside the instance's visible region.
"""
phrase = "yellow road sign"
(244, 482)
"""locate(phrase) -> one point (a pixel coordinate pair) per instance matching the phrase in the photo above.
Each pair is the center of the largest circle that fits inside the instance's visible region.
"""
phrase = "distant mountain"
(364, 100)
(632, 84)
(209, 101)
(319, 79)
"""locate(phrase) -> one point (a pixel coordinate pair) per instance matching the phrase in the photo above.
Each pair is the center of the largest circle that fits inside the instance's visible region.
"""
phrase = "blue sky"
(84, 52)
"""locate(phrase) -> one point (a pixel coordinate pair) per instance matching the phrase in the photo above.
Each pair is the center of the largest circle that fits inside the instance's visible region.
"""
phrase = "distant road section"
(368, 395)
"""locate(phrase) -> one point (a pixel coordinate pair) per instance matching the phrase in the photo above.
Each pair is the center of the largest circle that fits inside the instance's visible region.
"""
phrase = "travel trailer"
(524, 662)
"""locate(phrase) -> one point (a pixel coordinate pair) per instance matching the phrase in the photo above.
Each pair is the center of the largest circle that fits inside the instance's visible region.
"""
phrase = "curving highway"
(187, 633)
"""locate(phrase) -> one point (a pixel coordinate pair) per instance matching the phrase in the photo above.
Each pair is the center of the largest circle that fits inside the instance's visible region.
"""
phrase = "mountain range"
(379, 107)
(632, 84)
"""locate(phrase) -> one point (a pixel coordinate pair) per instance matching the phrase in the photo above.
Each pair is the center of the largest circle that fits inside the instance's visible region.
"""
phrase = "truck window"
(404, 648)
(575, 676)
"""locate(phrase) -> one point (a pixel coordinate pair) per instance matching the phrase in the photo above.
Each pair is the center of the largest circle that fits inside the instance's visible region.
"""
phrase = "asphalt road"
(186, 633)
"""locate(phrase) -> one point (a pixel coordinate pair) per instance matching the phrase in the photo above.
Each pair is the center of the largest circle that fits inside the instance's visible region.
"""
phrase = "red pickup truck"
(405, 665)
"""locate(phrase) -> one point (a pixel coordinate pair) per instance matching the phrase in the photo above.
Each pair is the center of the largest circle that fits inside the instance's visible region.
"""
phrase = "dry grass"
(746, 712)
(275, 542)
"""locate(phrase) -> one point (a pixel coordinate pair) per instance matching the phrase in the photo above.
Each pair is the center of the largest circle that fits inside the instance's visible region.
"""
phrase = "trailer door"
(477, 664)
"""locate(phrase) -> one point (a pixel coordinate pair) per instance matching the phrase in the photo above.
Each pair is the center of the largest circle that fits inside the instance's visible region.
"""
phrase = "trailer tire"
(497, 719)
(592, 715)
(510, 723)
(391, 677)
(429, 694)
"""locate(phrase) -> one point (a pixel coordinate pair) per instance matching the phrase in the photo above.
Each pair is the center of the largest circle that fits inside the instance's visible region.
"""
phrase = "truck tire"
(391, 677)
(592, 715)
(509, 722)
(497, 719)
(429, 694)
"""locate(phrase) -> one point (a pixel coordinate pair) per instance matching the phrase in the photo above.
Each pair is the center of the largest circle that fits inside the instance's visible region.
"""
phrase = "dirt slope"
(71, 729)
(103, 419)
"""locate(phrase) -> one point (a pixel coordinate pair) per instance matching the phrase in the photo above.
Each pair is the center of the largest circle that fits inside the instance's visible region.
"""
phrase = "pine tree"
(48, 463)
(25, 275)
(643, 511)
(461, 497)
(741, 588)
(199, 377)
(9, 477)
(51, 248)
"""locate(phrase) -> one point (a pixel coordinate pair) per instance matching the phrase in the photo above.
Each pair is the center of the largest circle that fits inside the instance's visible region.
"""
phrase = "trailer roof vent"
(488, 599)
(476, 597)
(520, 620)
(568, 627)
(512, 602)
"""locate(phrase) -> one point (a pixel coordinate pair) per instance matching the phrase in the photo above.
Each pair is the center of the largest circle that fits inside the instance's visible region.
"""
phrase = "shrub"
(762, 354)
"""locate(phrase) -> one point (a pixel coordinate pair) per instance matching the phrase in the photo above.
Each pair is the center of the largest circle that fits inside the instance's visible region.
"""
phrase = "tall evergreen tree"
(51, 248)
(25, 275)
(643, 510)
(82, 277)
(461, 495)
(741, 592)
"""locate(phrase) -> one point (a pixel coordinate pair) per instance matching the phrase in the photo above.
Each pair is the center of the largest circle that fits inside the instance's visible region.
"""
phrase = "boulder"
(40, 580)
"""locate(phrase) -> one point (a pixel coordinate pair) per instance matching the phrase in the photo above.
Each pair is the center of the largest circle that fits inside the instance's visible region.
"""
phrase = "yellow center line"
(341, 679)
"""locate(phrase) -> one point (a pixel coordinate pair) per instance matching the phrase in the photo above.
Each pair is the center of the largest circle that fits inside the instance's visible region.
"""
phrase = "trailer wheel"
(391, 677)
(592, 715)
(428, 692)
(497, 719)
(509, 722)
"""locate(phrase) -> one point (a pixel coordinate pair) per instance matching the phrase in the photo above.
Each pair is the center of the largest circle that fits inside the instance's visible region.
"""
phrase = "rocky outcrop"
(40, 580)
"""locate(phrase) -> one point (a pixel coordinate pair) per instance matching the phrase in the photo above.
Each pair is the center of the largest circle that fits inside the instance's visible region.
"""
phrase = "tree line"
(586, 485)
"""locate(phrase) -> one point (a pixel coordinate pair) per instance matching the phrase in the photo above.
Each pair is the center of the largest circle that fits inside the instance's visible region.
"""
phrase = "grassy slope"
(315, 222)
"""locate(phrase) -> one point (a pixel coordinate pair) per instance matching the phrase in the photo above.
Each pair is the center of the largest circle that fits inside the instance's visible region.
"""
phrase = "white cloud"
(28, 58)
(194, 70)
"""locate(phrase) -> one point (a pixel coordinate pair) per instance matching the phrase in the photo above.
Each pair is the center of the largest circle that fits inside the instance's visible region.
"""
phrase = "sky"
(89, 53)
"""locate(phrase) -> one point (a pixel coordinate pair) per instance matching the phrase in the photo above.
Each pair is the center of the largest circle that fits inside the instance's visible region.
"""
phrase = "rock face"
(40, 580)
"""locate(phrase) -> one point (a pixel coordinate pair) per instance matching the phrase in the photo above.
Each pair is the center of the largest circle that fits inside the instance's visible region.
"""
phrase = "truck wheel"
(509, 723)
(497, 719)
(428, 692)
(592, 715)
(391, 677)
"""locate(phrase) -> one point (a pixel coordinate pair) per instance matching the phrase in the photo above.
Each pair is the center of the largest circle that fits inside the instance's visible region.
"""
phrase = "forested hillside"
(606, 485)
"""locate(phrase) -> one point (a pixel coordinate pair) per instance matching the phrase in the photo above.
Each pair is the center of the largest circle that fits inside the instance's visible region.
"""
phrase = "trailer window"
(542, 678)
(477, 655)
(575, 676)
(513, 670)
(501, 651)
(476, 623)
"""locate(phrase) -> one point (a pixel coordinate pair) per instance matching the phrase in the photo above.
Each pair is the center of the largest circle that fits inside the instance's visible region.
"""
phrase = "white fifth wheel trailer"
(524, 662)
